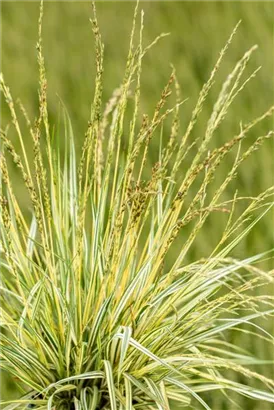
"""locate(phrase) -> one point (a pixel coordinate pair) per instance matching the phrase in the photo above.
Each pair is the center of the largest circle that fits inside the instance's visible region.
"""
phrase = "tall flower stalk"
(92, 315)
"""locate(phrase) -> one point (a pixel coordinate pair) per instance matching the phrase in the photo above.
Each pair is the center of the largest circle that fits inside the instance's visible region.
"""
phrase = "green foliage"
(100, 309)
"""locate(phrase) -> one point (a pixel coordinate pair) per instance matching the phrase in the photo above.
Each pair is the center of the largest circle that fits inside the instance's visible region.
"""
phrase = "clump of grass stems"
(91, 316)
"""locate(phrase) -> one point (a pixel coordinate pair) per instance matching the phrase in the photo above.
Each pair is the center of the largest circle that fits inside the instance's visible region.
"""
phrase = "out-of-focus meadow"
(198, 31)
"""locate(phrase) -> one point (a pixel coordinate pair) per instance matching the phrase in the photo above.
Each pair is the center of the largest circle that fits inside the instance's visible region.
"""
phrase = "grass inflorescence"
(92, 316)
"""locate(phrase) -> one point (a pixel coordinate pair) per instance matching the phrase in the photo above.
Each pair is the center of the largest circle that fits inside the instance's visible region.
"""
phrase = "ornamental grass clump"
(92, 316)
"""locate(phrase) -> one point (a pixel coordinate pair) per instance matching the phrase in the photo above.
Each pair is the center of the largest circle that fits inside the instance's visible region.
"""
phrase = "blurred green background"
(198, 31)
